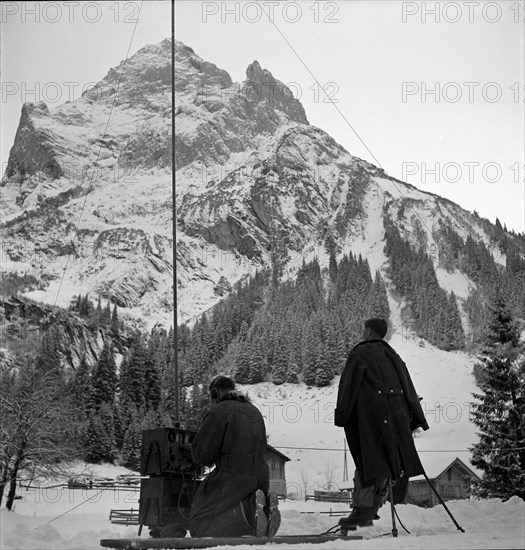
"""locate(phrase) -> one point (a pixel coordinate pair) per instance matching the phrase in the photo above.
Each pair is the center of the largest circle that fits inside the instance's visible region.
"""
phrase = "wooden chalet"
(276, 462)
(453, 483)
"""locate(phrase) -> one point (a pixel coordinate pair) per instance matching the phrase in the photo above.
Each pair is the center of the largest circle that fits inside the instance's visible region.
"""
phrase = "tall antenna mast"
(345, 463)
(174, 220)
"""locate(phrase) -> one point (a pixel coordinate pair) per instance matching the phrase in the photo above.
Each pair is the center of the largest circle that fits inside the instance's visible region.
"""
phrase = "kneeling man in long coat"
(379, 409)
(234, 499)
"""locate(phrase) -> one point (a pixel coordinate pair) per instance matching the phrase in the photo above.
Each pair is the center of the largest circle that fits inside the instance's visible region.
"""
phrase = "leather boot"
(273, 514)
(360, 517)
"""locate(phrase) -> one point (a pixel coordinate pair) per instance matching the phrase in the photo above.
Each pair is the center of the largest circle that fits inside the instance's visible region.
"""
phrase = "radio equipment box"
(164, 500)
(167, 451)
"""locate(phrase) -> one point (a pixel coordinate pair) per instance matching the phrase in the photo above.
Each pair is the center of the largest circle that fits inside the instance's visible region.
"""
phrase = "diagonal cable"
(360, 139)
(99, 151)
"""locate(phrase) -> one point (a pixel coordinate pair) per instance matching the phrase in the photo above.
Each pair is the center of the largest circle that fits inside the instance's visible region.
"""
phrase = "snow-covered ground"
(487, 524)
(300, 424)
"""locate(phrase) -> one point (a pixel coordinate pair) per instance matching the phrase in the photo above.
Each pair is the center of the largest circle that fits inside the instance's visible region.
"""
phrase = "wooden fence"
(331, 496)
(124, 517)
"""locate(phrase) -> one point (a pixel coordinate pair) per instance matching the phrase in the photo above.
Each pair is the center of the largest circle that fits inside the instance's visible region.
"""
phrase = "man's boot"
(273, 514)
(261, 520)
(360, 517)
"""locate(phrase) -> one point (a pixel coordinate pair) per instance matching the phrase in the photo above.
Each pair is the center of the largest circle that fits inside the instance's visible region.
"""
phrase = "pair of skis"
(191, 543)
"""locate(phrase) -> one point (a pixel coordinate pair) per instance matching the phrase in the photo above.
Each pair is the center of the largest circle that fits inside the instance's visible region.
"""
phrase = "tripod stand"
(442, 502)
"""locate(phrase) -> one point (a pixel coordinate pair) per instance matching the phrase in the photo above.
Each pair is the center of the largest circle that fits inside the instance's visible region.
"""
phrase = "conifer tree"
(500, 410)
(279, 365)
(114, 323)
(169, 387)
(335, 345)
(82, 388)
(152, 377)
(279, 373)
(132, 379)
(292, 374)
(100, 441)
(105, 376)
(244, 331)
(311, 340)
(131, 446)
(258, 364)
(332, 268)
(198, 405)
(86, 307)
(242, 364)
(379, 300)
(310, 373)
(454, 329)
(323, 372)
(96, 316)
(105, 316)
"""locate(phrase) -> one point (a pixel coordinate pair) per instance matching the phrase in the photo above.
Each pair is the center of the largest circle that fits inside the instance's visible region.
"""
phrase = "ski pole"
(443, 503)
(392, 509)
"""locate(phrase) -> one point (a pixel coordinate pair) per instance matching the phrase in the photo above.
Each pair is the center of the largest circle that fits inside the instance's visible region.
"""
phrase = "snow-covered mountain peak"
(90, 180)
(194, 74)
(260, 85)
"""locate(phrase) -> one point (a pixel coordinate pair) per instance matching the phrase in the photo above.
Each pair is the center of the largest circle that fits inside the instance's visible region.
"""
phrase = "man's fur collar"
(235, 396)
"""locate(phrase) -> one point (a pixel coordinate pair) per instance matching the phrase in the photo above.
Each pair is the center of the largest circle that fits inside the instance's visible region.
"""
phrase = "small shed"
(452, 483)
(276, 462)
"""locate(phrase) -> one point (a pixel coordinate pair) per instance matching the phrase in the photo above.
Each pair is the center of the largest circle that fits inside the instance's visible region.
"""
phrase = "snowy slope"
(488, 524)
(303, 418)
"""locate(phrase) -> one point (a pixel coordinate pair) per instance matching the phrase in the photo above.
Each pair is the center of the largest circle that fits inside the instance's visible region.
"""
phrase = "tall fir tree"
(292, 374)
(454, 329)
(105, 316)
(152, 376)
(114, 324)
(105, 376)
(323, 372)
(258, 364)
(280, 359)
(96, 316)
(500, 411)
(131, 383)
(332, 268)
(242, 364)
(130, 453)
(82, 388)
(100, 443)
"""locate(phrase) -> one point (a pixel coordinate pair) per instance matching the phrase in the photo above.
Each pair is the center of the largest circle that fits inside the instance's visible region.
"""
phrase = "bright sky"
(431, 91)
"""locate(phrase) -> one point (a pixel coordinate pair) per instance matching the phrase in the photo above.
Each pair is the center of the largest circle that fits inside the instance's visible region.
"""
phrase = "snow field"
(487, 524)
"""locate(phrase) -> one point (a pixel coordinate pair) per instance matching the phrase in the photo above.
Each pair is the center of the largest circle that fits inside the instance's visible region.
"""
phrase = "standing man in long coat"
(233, 438)
(379, 409)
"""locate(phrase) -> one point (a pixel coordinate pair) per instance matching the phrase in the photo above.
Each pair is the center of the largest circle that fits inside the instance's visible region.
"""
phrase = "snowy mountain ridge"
(87, 196)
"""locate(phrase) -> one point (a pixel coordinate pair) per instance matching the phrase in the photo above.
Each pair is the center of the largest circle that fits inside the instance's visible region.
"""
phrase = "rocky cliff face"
(23, 320)
(87, 194)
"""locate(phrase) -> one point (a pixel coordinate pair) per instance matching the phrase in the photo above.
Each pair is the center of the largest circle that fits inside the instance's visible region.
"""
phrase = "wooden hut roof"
(438, 472)
(278, 453)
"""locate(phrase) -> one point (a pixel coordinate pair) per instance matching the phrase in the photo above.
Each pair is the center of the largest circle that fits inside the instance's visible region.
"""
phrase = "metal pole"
(392, 509)
(443, 503)
(345, 463)
(174, 220)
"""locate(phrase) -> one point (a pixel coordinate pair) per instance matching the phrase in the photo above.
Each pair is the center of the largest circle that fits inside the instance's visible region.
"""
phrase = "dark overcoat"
(233, 437)
(379, 408)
